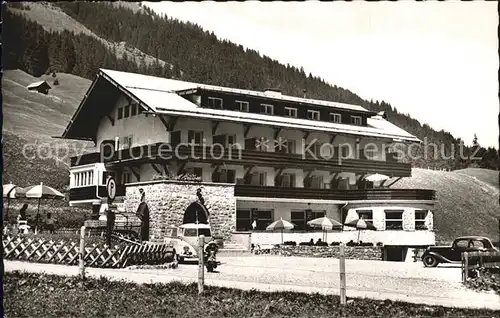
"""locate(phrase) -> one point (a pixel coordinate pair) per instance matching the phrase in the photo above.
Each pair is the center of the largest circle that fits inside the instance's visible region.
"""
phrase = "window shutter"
(216, 176)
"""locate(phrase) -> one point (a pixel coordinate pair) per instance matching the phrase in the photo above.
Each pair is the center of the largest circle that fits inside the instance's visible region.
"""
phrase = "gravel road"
(409, 282)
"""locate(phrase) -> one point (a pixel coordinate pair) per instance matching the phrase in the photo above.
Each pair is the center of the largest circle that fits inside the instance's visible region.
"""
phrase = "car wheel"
(180, 259)
(430, 261)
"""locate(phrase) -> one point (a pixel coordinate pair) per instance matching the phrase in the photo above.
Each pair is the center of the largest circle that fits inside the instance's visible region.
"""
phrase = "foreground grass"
(35, 295)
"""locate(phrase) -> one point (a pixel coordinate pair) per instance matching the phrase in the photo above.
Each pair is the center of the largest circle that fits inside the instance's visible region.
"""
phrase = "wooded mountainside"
(194, 55)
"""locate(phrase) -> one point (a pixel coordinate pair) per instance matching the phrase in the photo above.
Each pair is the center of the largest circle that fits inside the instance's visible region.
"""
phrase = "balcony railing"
(89, 193)
(157, 152)
(333, 194)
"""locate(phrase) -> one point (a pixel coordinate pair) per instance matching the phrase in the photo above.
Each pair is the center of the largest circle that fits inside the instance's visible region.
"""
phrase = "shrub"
(290, 243)
(335, 244)
(177, 177)
(304, 244)
(56, 82)
(53, 73)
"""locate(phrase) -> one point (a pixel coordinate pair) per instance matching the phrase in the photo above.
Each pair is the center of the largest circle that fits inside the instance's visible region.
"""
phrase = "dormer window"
(335, 118)
(215, 102)
(266, 109)
(291, 112)
(356, 120)
(242, 106)
(313, 114)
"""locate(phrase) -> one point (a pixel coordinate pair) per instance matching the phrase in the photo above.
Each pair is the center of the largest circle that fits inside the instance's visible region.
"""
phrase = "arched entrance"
(196, 212)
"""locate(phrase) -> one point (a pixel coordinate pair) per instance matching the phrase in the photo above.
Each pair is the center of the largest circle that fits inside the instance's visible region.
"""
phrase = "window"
(393, 219)
(316, 182)
(243, 106)
(126, 142)
(134, 110)
(314, 148)
(83, 179)
(214, 102)
(355, 120)
(291, 112)
(263, 219)
(345, 151)
(230, 141)
(224, 176)
(335, 118)
(120, 112)
(195, 137)
(287, 180)
(313, 114)
(126, 111)
(298, 218)
(420, 216)
(243, 220)
(126, 177)
(259, 178)
(266, 109)
(285, 146)
(462, 243)
(366, 215)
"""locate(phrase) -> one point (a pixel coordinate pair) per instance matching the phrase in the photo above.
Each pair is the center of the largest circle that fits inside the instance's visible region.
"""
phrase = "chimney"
(305, 93)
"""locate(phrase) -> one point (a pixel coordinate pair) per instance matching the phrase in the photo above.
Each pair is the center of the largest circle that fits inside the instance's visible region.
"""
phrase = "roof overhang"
(154, 97)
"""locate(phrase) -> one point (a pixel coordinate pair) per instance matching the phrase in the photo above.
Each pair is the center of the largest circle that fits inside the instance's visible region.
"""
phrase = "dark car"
(434, 255)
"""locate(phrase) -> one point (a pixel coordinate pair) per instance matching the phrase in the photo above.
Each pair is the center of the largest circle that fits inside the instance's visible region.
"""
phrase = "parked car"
(184, 239)
(434, 255)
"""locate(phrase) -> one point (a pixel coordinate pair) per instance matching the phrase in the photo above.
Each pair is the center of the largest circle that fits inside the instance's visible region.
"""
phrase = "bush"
(305, 244)
(335, 244)
(53, 73)
(177, 177)
(56, 82)
(290, 243)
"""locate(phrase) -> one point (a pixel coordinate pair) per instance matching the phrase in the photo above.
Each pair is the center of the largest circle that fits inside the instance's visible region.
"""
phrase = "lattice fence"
(47, 251)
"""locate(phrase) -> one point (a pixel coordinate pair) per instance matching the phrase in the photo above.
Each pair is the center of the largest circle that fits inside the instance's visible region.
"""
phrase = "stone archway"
(196, 212)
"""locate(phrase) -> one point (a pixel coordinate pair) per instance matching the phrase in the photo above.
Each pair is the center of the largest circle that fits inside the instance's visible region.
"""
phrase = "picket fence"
(48, 251)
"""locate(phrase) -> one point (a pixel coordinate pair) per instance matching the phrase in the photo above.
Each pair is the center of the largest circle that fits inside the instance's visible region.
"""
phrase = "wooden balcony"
(165, 152)
(333, 194)
(89, 193)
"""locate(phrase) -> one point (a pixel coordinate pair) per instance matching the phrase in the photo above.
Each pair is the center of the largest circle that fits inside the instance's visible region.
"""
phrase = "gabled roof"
(161, 95)
(37, 84)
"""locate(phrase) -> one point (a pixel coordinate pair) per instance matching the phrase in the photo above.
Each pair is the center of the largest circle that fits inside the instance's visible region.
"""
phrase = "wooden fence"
(473, 262)
(48, 251)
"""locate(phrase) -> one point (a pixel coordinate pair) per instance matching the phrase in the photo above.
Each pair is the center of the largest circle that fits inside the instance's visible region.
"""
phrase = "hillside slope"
(37, 116)
(52, 18)
(465, 205)
(490, 177)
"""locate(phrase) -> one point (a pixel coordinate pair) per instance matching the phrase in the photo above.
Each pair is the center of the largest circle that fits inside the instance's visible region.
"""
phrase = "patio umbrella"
(361, 224)
(325, 224)
(377, 177)
(9, 192)
(280, 225)
(42, 192)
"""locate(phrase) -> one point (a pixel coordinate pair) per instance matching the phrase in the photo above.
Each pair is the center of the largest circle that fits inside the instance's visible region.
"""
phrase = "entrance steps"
(233, 249)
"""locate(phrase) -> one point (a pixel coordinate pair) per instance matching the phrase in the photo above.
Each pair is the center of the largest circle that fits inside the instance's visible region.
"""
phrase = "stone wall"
(350, 252)
(167, 201)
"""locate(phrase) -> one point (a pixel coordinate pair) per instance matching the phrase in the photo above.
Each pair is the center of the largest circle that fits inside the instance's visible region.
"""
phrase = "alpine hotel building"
(260, 156)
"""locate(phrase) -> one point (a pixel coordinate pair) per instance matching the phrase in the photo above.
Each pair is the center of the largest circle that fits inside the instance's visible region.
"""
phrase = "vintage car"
(434, 255)
(184, 239)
